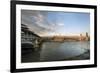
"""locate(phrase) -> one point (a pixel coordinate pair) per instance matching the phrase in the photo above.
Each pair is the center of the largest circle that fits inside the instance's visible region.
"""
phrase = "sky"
(50, 23)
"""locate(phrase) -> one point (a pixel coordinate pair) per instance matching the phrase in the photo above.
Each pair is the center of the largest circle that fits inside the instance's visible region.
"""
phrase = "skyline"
(49, 23)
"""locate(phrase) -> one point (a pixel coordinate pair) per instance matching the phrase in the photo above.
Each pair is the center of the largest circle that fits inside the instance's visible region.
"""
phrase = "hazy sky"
(50, 23)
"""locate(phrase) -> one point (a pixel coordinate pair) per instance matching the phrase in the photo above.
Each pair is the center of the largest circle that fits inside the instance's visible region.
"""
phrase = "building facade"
(28, 37)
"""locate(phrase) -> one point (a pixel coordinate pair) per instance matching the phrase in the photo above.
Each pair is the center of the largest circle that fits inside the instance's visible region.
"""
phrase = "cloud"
(37, 21)
(60, 24)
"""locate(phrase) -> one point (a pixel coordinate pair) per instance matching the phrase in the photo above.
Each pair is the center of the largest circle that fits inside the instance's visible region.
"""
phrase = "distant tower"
(80, 37)
(87, 36)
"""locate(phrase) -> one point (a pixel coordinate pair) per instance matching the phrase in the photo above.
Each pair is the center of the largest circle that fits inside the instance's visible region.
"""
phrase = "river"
(58, 51)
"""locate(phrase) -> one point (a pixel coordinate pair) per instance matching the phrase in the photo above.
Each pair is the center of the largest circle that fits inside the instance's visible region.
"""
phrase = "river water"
(55, 51)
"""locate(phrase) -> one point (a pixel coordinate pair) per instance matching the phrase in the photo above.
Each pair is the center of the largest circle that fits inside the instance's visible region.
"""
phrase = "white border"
(20, 65)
